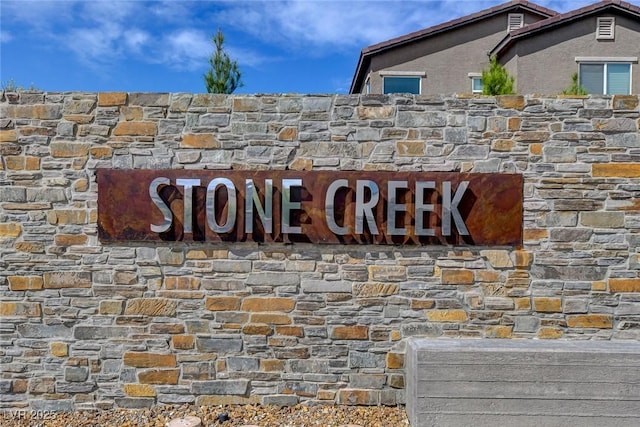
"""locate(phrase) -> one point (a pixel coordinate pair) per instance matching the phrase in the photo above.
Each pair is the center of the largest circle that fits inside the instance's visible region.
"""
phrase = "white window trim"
(515, 21)
(604, 72)
(405, 74)
(608, 23)
(472, 77)
(633, 59)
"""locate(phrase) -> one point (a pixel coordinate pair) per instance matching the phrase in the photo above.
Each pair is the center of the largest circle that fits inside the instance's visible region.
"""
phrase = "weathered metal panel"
(489, 206)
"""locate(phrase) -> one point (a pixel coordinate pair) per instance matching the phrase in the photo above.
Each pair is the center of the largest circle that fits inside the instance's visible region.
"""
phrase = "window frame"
(605, 80)
(475, 77)
(404, 75)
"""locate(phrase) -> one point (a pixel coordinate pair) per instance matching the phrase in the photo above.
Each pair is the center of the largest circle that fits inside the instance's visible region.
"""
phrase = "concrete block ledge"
(491, 382)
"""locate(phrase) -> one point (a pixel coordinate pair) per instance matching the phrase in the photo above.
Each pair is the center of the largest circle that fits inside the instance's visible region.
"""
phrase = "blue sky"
(307, 46)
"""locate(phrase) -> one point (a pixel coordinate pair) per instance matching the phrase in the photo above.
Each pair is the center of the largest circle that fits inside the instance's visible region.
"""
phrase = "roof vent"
(605, 28)
(515, 21)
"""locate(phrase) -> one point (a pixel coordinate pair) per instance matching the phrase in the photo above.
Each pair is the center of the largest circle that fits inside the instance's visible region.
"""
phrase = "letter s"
(160, 204)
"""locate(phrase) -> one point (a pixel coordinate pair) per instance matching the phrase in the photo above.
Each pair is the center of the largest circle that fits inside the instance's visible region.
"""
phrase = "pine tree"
(496, 80)
(224, 74)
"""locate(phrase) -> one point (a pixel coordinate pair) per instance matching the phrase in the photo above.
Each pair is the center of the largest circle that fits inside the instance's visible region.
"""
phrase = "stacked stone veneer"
(87, 325)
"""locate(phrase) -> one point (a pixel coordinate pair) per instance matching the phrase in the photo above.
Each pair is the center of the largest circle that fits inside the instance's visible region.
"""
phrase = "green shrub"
(575, 88)
(496, 80)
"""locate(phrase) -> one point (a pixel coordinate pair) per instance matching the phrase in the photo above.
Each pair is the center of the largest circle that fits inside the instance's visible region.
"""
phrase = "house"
(539, 47)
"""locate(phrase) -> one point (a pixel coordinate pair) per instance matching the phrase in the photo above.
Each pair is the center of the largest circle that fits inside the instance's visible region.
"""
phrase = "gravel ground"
(211, 416)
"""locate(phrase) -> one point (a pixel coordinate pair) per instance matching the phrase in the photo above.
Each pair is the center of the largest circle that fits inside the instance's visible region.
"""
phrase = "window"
(515, 21)
(610, 78)
(401, 85)
(367, 86)
(476, 82)
(605, 28)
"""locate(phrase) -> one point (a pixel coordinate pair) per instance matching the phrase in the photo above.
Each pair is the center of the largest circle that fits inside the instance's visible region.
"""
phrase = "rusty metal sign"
(408, 208)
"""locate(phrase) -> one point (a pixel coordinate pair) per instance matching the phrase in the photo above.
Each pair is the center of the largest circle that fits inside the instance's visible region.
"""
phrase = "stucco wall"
(545, 63)
(91, 325)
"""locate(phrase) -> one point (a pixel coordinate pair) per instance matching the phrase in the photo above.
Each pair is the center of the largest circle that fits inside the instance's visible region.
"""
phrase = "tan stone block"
(10, 230)
(497, 258)
(132, 113)
(547, 305)
(395, 335)
(40, 385)
(114, 307)
(25, 283)
(422, 304)
(139, 390)
(510, 101)
(535, 234)
(112, 99)
(395, 360)
(271, 318)
(64, 149)
(300, 164)
(246, 104)
(135, 129)
(513, 123)
(487, 276)
(31, 247)
(522, 259)
(616, 170)
(182, 283)
(268, 304)
(326, 395)
(410, 148)
(602, 219)
(272, 365)
(447, 315)
(67, 279)
(293, 331)
(81, 185)
(67, 216)
(503, 145)
(599, 286)
(625, 102)
(31, 163)
(183, 342)
(81, 119)
(8, 135)
(151, 307)
(59, 349)
(347, 396)
(288, 134)
(70, 239)
(536, 149)
(498, 331)
(19, 386)
(199, 140)
(207, 254)
(14, 163)
(218, 400)
(598, 321)
(387, 273)
(624, 285)
(522, 303)
(257, 329)
(367, 113)
(457, 277)
(101, 152)
(356, 332)
(20, 309)
(223, 303)
(149, 360)
(159, 376)
(125, 278)
(549, 333)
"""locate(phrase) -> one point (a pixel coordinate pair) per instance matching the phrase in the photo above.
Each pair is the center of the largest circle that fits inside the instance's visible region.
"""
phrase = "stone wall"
(88, 325)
